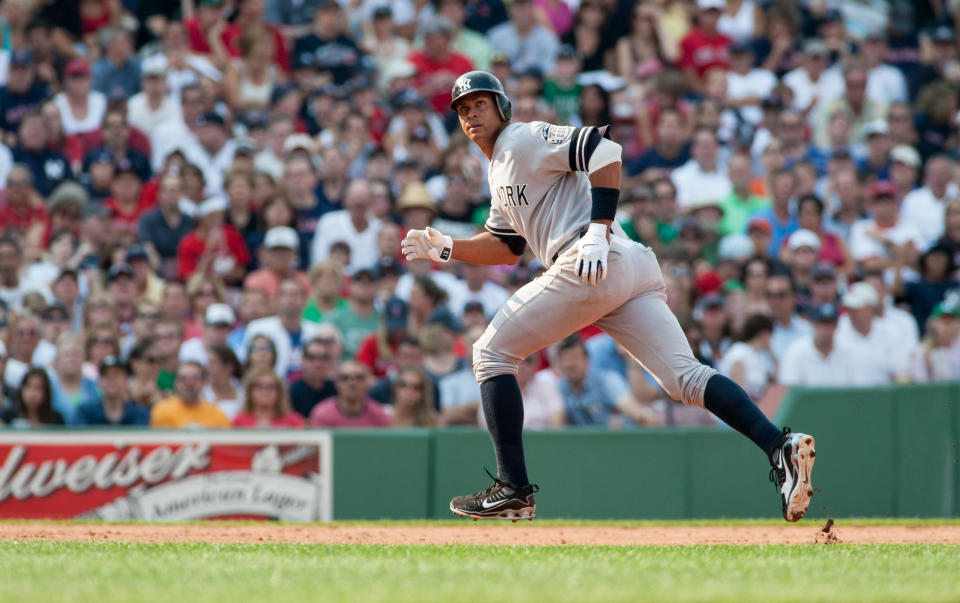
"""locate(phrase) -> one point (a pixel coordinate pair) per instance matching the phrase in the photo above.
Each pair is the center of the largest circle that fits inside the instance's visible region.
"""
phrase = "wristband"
(605, 201)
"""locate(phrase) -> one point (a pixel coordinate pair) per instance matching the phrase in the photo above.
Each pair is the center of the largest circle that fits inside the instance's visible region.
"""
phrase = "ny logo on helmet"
(464, 85)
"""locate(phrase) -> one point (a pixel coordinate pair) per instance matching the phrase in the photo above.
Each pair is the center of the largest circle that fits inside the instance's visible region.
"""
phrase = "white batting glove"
(592, 250)
(429, 244)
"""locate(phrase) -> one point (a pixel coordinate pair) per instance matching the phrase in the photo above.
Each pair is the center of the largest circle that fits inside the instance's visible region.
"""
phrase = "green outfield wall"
(889, 452)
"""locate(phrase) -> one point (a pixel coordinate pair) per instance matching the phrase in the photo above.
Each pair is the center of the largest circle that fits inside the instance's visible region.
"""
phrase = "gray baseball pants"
(630, 305)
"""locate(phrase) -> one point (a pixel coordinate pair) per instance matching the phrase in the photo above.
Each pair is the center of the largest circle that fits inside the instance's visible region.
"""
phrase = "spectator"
(248, 82)
(163, 228)
(223, 386)
(218, 319)
(710, 314)
(286, 329)
(253, 305)
(167, 340)
(213, 247)
(359, 318)
(326, 49)
(873, 239)
(788, 326)
(936, 280)
(924, 208)
(326, 283)
(853, 104)
(49, 168)
(593, 398)
(81, 108)
(280, 257)
(806, 81)
(438, 65)
(780, 216)
(150, 108)
(741, 203)
(817, 361)
(186, 408)
(24, 335)
(22, 93)
(477, 286)
(412, 399)
(749, 361)
(704, 47)
(868, 343)
(352, 225)
(22, 210)
(379, 350)
(34, 402)
(145, 368)
(261, 353)
(266, 402)
(936, 358)
(832, 249)
(114, 407)
(117, 73)
(702, 177)
(71, 389)
(320, 357)
(351, 407)
(525, 42)
(466, 40)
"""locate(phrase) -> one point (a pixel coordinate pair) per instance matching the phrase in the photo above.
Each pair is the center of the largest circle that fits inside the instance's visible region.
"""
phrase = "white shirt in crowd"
(925, 213)
(140, 116)
(739, 27)
(784, 336)
(96, 109)
(805, 90)
(803, 364)
(459, 388)
(177, 79)
(289, 358)
(758, 367)
(865, 244)
(491, 296)
(444, 280)
(336, 226)
(6, 163)
(755, 83)
(694, 184)
(229, 406)
(871, 353)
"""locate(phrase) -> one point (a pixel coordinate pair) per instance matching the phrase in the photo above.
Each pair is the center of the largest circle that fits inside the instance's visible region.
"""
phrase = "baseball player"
(556, 188)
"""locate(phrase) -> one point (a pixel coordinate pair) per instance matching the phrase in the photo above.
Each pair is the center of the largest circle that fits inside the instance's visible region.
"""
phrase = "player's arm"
(601, 158)
(485, 248)
(488, 249)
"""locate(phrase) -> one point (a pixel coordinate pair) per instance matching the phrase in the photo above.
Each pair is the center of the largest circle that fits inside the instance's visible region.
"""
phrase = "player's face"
(479, 116)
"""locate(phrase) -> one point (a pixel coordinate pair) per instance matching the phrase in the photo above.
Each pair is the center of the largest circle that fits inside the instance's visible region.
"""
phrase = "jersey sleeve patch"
(556, 134)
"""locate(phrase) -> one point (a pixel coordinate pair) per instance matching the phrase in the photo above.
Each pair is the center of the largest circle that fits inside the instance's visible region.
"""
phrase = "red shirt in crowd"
(701, 51)
(198, 41)
(21, 219)
(426, 67)
(291, 419)
(328, 414)
(192, 247)
(369, 354)
(231, 39)
(127, 220)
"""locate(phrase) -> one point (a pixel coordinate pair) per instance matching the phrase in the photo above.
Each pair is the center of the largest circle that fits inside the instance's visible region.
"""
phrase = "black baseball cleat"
(502, 500)
(792, 462)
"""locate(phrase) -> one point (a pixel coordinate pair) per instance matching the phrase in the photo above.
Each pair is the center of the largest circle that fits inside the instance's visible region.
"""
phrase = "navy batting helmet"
(481, 81)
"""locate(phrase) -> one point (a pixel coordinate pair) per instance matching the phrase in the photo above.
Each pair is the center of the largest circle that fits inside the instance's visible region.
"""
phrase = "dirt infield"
(485, 533)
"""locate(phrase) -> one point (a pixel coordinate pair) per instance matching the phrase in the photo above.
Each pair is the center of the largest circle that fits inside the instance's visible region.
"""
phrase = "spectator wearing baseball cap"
(379, 350)
(218, 321)
(817, 360)
(213, 247)
(22, 93)
(823, 286)
(936, 357)
(859, 332)
(830, 248)
(438, 56)
(78, 93)
(280, 258)
(114, 405)
(150, 108)
(126, 203)
(873, 240)
(704, 47)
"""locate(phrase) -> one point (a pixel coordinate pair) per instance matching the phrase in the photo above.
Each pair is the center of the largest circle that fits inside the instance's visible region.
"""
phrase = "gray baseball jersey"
(539, 188)
(540, 191)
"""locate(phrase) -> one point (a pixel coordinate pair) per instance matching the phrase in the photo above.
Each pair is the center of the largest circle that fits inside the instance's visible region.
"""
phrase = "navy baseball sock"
(724, 398)
(503, 408)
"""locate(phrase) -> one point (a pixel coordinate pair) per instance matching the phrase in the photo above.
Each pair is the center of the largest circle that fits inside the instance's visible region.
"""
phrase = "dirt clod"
(827, 535)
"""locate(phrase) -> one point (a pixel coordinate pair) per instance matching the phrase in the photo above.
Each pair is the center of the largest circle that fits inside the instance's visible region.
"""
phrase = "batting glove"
(592, 250)
(429, 244)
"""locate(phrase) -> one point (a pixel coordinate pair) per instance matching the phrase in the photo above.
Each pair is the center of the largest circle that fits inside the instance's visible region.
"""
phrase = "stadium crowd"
(202, 202)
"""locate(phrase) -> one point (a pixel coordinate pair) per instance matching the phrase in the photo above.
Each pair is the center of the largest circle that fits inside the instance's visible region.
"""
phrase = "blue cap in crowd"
(395, 314)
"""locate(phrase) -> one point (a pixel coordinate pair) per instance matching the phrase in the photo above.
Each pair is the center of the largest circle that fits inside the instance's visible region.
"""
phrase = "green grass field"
(107, 572)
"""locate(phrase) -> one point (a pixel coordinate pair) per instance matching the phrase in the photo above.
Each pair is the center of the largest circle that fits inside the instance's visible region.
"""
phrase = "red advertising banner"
(166, 477)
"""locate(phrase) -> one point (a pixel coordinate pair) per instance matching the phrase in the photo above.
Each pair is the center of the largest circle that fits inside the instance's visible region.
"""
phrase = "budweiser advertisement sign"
(173, 476)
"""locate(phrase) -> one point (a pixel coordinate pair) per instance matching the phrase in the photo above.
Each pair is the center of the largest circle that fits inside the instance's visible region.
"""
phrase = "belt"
(569, 242)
